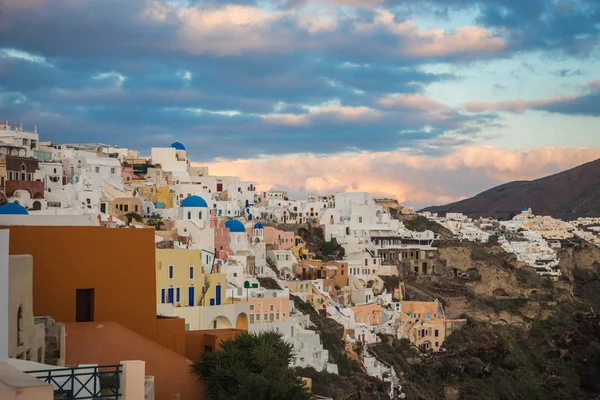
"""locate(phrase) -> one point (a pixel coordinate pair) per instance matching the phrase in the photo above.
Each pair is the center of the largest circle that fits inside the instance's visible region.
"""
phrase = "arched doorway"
(242, 322)
(36, 205)
(220, 322)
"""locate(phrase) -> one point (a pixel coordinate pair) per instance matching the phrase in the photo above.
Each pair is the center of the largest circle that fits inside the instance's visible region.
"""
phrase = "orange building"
(426, 325)
(102, 284)
(273, 306)
(315, 269)
(370, 314)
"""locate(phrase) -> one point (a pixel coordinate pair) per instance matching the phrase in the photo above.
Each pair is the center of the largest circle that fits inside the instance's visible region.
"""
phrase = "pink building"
(128, 174)
(222, 249)
(281, 240)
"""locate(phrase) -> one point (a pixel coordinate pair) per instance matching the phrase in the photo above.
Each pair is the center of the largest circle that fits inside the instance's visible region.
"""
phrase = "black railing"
(82, 383)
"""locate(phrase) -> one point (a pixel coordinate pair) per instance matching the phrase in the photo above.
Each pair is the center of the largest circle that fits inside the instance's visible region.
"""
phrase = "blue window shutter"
(163, 296)
(212, 302)
(178, 295)
(170, 295)
(191, 296)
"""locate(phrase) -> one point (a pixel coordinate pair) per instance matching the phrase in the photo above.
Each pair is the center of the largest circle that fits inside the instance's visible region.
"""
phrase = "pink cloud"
(416, 102)
(407, 177)
(333, 113)
(435, 42)
(595, 85)
(469, 39)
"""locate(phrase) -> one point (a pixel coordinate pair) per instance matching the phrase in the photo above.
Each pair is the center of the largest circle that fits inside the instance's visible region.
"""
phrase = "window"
(178, 295)
(126, 207)
(374, 261)
(437, 333)
(437, 344)
(20, 326)
(277, 316)
(28, 356)
(266, 317)
(271, 307)
(171, 272)
(215, 324)
(163, 296)
(428, 316)
(235, 274)
(283, 315)
(271, 317)
(366, 262)
(258, 317)
(40, 355)
(192, 272)
(112, 170)
(251, 318)
(251, 307)
(360, 220)
(97, 169)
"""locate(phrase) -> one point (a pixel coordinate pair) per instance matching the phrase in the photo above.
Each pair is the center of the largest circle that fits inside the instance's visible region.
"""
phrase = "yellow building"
(161, 195)
(181, 281)
(184, 290)
(311, 292)
(299, 249)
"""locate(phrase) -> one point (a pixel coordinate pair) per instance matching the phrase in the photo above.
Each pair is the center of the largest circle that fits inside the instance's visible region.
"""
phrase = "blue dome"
(194, 201)
(259, 226)
(235, 226)
(13, 209)
(177, 146)
(525, 209)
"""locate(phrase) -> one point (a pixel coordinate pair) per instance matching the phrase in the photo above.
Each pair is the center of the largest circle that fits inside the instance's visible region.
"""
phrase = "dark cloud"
(119, 71)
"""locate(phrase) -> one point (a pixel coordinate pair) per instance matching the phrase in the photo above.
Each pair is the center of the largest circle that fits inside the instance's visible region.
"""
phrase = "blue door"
(171, 295)
(218, 295)
(191, 296)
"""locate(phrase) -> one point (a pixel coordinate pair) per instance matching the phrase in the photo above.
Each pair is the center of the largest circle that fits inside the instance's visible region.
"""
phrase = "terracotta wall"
(111, 343)
(117, 263)
(171, 334)
(197, 340)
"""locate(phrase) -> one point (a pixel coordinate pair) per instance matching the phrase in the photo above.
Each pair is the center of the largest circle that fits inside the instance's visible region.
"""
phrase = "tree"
(251, 366)
(155, 220)
(133, 216)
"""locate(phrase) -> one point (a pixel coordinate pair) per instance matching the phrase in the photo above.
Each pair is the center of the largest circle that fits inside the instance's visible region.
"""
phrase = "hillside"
(567, 195)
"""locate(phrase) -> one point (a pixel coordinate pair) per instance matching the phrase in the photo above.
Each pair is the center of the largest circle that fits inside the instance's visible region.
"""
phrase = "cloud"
(334, 114)
(410, 178)
(582, 104)
(271, 77)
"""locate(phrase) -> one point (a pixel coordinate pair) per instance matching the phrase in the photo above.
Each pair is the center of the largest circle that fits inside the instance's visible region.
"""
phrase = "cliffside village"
(112, 261)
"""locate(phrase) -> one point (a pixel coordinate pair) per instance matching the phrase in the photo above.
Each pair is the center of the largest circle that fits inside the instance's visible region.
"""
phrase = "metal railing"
(82, 383)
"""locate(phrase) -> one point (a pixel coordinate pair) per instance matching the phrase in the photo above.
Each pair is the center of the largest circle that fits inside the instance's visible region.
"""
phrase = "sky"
(426, 101)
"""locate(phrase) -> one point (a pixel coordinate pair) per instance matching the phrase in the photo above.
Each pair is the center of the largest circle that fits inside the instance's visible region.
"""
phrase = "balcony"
(83, 383)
